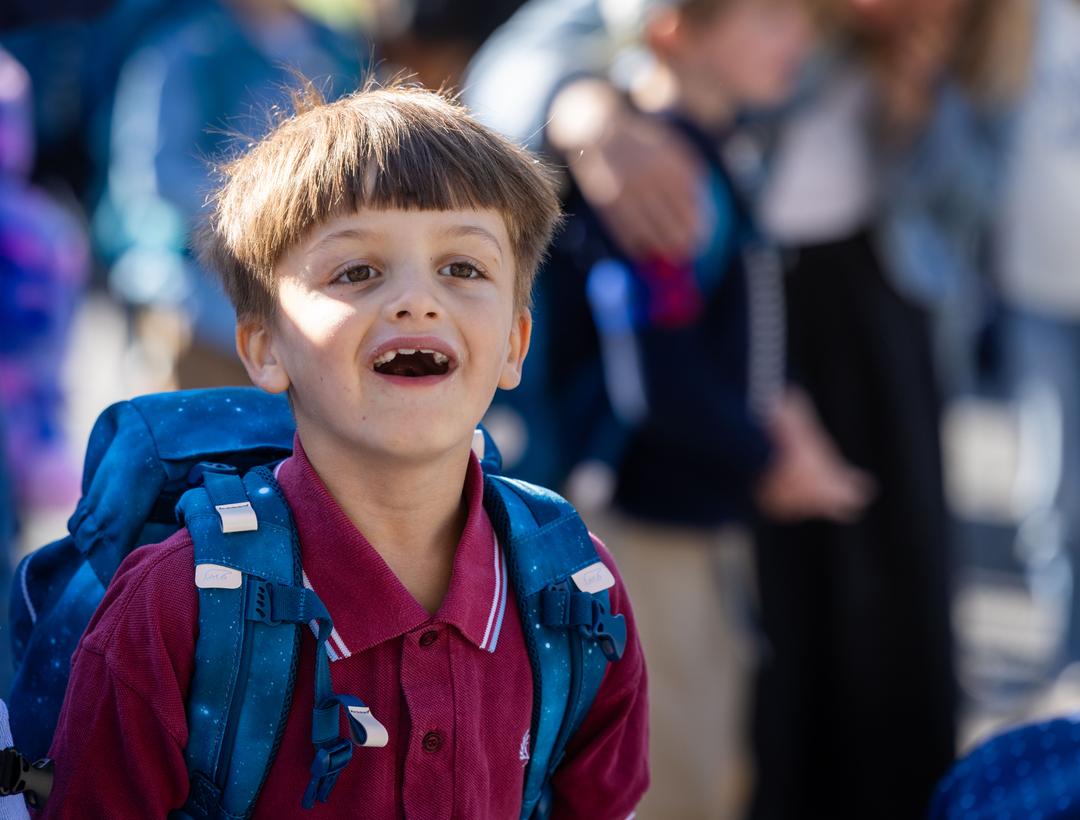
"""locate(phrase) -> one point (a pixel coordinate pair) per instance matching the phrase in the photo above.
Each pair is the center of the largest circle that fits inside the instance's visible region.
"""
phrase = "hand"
(809, 478)
(636, 172)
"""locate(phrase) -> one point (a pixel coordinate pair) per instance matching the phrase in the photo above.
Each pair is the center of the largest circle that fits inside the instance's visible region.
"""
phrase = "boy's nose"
(414, 300)
(404, 313)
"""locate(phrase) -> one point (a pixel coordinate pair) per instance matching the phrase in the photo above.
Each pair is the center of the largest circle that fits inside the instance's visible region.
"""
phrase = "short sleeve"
(119, 744)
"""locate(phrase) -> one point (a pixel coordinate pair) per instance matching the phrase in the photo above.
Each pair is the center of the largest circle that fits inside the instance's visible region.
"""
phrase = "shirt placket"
(426, 679)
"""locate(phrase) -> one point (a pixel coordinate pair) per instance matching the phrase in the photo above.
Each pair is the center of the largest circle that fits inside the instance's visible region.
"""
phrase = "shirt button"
(429, 637)
(432, 742)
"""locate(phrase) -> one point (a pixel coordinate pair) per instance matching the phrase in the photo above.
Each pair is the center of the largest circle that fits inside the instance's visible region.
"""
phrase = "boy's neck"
(411, 514)
(666, 88)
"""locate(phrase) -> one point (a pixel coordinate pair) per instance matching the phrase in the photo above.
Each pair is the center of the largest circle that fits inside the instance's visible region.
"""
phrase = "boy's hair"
(380, 147)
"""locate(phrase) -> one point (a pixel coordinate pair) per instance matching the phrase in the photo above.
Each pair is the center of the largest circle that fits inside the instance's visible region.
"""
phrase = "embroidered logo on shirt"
(523, 753)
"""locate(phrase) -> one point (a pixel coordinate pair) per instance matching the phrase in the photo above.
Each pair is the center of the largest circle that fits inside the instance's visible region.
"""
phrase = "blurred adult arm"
(512, 80)
(541, 80)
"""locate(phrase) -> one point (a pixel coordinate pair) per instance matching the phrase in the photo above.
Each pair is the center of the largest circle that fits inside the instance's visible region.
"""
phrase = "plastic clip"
(18, 775)
(260, 605)
(325, 768)
(607, 630)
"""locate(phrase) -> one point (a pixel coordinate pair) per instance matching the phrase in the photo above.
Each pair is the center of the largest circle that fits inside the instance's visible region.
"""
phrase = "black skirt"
(855, 713)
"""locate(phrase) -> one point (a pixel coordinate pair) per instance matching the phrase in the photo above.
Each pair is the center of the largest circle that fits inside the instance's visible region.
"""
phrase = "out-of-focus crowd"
(797, 232)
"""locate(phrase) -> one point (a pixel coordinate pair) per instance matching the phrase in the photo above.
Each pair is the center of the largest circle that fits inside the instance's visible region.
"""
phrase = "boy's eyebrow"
(455, 231)
(452, 231)
(344, 233)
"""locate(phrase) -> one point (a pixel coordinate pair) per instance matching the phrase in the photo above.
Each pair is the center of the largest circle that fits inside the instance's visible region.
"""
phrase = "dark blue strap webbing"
(332, 751)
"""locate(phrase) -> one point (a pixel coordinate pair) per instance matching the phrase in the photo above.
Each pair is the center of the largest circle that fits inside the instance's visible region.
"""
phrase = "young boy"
(379, 252)
(714, 437)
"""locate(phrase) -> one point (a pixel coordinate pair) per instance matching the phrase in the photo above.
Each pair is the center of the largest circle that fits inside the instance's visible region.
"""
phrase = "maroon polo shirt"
(454, 690)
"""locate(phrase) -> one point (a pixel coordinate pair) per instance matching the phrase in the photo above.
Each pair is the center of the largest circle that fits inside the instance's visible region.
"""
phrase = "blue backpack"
(1029, 771)
(197, 459)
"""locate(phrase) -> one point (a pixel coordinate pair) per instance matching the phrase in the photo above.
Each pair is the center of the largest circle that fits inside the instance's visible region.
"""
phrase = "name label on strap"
(594, 578)
(215, 576)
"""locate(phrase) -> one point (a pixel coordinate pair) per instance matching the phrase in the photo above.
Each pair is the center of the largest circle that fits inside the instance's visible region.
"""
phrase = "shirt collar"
(366, 600)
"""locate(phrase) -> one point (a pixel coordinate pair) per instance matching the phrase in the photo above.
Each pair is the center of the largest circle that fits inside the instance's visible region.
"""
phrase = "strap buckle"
(18, 775)
(325, 768)
(260, 603)
(607, 630)
(272, 603)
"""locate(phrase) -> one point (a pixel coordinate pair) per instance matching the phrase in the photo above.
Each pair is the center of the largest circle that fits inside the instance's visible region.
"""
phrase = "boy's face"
(751, 49)
(394, 328)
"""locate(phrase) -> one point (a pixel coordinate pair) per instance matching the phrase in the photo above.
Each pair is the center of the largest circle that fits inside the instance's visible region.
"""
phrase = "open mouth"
(412, 363)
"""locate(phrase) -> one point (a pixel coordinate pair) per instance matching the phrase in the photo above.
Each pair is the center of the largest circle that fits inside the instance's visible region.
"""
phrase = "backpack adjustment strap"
(330, 760)
(563, 605)
(272, 603)
(332, 750)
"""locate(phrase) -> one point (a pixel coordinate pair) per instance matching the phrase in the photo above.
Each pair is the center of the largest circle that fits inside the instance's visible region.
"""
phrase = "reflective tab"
(478, 444)
(376, 732)
(594, 578)
(215, 576)
(237, 517)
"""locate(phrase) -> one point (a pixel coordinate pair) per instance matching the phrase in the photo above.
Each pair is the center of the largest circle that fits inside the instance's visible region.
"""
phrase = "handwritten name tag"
(214, 576)
(594, 578)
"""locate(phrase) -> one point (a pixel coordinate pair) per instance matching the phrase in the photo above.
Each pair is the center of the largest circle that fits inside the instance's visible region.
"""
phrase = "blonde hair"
(990, 56)
(397, 146)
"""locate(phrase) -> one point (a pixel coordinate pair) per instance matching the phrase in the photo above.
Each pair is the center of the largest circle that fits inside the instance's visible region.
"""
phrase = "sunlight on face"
(394, 329)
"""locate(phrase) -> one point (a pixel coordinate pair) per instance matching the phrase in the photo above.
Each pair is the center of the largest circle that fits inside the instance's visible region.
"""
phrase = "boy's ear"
(255, 345)
(520, 336)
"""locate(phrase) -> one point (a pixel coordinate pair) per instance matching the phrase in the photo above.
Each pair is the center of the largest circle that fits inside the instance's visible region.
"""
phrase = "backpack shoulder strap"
(561, 587)
(244, 544)
(252, 607)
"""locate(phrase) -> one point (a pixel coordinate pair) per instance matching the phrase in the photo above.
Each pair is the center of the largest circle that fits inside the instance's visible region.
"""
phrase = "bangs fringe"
(399, 147)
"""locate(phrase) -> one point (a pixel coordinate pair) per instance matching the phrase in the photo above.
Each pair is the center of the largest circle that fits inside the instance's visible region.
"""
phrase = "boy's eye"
(461, 270)
(356, 273)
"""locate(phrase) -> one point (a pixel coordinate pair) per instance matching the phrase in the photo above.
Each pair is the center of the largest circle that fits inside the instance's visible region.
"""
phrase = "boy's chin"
(415, 443)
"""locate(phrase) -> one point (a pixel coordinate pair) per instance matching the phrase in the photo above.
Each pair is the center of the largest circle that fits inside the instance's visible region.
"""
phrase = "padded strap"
(229, 749)
(245, 632)
(547, 542)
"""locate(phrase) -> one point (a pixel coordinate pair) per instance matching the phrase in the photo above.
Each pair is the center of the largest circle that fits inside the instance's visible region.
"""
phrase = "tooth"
(406, 351)
(440, 358)
(388, 356)
(426, 352)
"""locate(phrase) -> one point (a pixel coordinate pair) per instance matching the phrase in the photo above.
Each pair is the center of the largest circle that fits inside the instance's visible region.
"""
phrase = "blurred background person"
(690, 350)
(883, 186)
(1039, 276)
(200, 79)
(434, 40)
(882, 182)
(44, 261)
